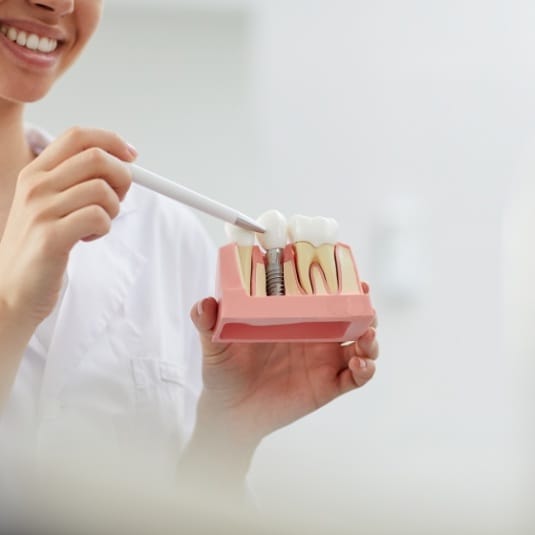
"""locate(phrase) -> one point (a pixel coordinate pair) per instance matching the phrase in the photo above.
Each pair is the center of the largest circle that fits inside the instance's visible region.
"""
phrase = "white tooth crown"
(31, 41)
(242, 237)
(315, 230)
(276, 229)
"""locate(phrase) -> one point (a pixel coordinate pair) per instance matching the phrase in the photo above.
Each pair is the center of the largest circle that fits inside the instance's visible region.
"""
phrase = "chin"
(26, 96)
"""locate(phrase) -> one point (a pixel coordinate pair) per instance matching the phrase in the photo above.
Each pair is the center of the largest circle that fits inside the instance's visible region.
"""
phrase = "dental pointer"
(180, 193)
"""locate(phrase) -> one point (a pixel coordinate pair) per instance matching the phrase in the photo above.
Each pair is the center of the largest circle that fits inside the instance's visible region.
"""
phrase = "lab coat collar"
(100, 276)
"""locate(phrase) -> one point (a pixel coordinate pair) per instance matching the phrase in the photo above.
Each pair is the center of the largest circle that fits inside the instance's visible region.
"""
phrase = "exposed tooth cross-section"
(244, 239)
(314, 241)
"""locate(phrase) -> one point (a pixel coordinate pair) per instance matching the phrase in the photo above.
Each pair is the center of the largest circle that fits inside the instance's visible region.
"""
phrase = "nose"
(58, 7)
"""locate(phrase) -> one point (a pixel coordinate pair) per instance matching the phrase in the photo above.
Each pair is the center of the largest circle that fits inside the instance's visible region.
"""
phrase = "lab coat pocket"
(159, 400)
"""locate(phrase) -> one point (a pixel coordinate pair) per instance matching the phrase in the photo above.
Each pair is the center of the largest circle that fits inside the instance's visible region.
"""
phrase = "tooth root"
(326, 258)
(291, 285)
(318, 280)
(305, 253)
(258, 274)
(244, 259)
(260, 281)
(349, 281)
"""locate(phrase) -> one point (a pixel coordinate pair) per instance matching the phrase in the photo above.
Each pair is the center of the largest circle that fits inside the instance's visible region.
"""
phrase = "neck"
(14, 151)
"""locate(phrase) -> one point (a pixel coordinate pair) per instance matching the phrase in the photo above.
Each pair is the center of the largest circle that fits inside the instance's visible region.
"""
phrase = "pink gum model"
(336, 317)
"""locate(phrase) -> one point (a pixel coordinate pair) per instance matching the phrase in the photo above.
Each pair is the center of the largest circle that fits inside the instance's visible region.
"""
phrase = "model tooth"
(242, 237)
(315, 239)
(276, 230)
(348, 280)
(244, 240)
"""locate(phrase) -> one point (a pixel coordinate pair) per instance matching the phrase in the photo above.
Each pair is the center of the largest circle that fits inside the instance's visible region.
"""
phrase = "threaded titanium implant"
(274, 272)
(273, 241)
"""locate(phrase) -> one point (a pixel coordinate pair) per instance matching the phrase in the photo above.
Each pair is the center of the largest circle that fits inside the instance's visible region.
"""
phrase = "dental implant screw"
(274, 272)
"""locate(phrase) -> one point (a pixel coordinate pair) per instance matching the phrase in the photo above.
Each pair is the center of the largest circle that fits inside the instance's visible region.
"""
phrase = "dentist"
(97, 282)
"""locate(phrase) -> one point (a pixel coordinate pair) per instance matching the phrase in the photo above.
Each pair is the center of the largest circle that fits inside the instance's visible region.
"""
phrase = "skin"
(71, 192)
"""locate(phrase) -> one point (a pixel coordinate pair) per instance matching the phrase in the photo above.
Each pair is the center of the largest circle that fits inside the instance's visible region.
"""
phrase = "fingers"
(362, 370)
(77, 140)
(81, 171)
(366, 290)
(93, 163)
(93, 192)
(204, 317)
(90, 222)
(365, 347)
(358, 372)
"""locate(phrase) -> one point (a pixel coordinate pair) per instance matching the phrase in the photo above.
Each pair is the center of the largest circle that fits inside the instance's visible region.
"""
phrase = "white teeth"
(315, 230)
(30, 41)
(44, 45)
(276, 229)
(244, 238)
(21, 39)
(52, 45)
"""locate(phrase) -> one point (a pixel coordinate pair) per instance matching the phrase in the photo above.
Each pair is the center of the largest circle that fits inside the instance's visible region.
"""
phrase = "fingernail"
(363, 364)
(200, 306)
(132, 150)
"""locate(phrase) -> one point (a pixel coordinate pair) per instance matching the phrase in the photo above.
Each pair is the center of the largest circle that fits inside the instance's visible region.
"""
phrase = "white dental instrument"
(180, 193)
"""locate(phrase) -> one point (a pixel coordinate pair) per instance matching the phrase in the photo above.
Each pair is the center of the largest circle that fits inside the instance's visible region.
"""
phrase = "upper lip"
(42, 30)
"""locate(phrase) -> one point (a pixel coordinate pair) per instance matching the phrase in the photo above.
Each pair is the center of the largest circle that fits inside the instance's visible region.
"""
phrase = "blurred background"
(405, 122)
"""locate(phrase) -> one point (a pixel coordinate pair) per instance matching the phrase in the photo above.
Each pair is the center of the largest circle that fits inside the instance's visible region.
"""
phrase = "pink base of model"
(289, 318)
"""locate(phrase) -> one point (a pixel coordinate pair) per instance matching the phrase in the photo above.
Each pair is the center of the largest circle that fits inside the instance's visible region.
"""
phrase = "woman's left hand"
(252, 389)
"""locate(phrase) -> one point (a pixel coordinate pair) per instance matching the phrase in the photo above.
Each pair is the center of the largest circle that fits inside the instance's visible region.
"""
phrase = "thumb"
(204, 317)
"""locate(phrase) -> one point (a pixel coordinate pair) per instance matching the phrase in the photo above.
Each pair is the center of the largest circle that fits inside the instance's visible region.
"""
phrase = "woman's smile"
(34, 45)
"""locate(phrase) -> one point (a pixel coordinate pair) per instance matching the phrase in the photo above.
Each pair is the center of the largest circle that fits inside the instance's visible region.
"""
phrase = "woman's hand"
(251, 390)
(70, 192)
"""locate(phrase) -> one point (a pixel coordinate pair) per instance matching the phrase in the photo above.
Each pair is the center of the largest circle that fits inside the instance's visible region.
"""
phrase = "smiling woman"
(43, 40)
(99, 361)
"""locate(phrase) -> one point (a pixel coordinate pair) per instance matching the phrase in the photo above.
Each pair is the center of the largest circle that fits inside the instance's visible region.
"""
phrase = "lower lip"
(29, 58)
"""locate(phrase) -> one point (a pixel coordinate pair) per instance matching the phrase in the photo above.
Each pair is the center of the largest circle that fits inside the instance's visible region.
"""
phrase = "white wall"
(365, 102)
(357, 110)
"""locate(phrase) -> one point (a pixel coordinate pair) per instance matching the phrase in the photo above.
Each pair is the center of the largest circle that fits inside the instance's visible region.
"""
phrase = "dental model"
(304, 290)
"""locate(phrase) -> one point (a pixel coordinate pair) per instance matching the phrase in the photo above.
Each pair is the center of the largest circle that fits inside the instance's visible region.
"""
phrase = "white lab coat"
(122, 373)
